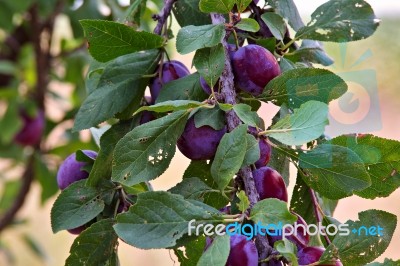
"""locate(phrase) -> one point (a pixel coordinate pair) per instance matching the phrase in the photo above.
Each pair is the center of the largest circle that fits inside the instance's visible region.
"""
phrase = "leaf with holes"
(382, 160)
(121, 84)
(141, 228)
(146, 152)
(306, 124)
(340, 21)
(108, 40)
(94, 246)
(210, 63)
(77, 205)
(229, 156)
(333, 171)
(297, 86)
(364, 246)
(192, 38)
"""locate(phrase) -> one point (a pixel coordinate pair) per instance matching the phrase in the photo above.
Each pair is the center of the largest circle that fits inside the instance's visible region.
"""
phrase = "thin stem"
(317, 212)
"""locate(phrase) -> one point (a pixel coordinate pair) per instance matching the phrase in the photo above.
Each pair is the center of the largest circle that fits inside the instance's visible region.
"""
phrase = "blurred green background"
(31, 241)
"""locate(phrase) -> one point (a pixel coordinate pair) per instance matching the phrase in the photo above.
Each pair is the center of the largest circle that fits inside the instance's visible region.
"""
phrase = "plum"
(253, 67)
(77, 230)
(70, 170)
(32, 129)
(265, 152)
(171, 70)
(270, 184)
(310, 255)
(146, 116)
(243, 252)
(199, 143)
(301, 238)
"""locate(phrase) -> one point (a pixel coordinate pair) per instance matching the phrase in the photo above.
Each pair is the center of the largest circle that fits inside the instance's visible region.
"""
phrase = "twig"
(317, 212)
(19, 200)
(163, 16)
(229, 95)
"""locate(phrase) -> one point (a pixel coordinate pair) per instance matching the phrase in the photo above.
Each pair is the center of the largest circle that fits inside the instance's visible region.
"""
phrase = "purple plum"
(270, 184)
(32, 129)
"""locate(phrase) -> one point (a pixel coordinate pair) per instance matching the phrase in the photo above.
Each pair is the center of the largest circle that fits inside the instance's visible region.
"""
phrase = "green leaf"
(191, 38)
(192, 252)
(306, 124)
(247, 116)
(94, 246)
(301, 202)
(192, 188)
(288, 250)
(337, 166)
(216, 6)
(252, 151)
(77, 205)
(108, 40)
(210, 63)
(272, 211)
(225, 106)
(229, 156)
(186, 88)
(214, 118)
(217, 253)
(140, 227)
(248, 24)
(242, 5)
(387, 262)
(340, 21)
(135, 11)
(310, 51)
(268, 43)
(382, 160)
(288, 10)
(297, 86)
(10, 122)
(121, 84)
(286, 65)
(10, 189)
(146, 152)
(168, 106)
(187, 13)
(244, 201)
(280, 163)
(102, 165)
(276, 24)
(362, 248)
(201, 170)
(35, 247)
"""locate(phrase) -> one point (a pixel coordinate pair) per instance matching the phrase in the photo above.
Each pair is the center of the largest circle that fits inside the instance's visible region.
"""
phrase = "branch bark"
(228, 93)
(163, 16)
(27, 179)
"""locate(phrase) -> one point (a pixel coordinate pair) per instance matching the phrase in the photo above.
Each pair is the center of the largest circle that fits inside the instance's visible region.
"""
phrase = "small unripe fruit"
(32, 129)
(270, 184)
(171, 70)
(70, 170)
(199, 143)
(253, 67)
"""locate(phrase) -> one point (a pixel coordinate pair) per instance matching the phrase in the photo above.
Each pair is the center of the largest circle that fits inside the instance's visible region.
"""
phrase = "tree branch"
(228, 93)
(27, 179)
(163, 16)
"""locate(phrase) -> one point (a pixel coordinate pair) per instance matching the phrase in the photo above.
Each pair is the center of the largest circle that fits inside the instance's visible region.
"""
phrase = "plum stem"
(228, 93)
